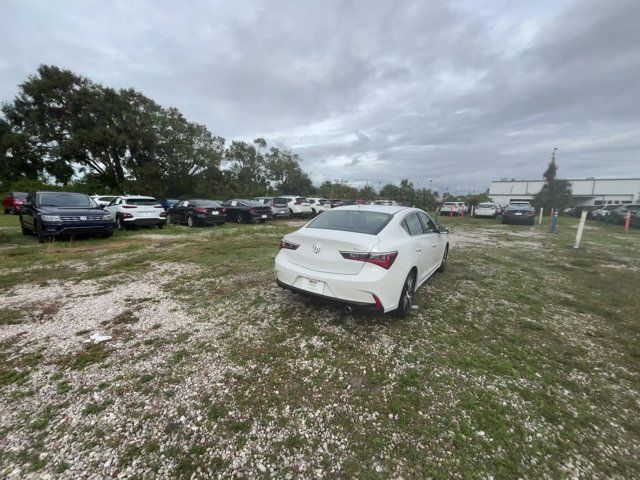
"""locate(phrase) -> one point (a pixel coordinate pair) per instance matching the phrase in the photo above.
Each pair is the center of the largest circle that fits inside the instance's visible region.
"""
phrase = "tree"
(341, 190)
(63, 126)
(367, 193)
(554, 193)
(285, 174)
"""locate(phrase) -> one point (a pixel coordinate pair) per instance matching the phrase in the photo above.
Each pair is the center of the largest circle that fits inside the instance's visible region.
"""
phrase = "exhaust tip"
(347, 309)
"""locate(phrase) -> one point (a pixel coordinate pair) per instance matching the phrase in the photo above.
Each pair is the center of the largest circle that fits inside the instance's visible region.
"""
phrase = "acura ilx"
(368, 256)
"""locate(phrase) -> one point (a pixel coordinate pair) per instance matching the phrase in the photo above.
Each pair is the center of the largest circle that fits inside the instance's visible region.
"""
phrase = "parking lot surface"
(521, 360)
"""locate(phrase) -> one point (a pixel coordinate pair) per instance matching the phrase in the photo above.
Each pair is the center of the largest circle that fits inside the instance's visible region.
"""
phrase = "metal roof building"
(585, 191)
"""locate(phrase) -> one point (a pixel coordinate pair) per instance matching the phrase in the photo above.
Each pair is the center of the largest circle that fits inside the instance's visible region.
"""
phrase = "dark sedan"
(197, 212)
(240, 210)
(521, 213)
(48, 214)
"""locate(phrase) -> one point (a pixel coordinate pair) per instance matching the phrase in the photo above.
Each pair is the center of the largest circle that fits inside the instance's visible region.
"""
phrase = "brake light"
(288, 245)
(129, 206)
(158, 206)
(201, 210)
(384, 260)
(127, 215)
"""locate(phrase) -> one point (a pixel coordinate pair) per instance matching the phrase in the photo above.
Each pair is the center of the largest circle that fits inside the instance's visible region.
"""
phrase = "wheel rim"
(119, 224)
(444, 258)
(190, 222)
(409, 285)
(239, 219)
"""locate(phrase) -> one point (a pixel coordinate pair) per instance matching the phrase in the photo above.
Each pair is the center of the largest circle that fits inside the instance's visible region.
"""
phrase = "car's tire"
(169, 222)
(161, 225)
(239, 218)
(41, 236)
(23, 229)
(443, 263)
(406, 296)
(190, 222)
(6, 211)
(120, 226)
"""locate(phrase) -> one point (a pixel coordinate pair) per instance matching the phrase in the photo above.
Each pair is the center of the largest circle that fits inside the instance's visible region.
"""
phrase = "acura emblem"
(316, 248)
(83, 218)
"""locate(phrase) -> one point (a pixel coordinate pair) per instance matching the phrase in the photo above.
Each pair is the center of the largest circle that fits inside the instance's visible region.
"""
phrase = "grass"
(521, 360)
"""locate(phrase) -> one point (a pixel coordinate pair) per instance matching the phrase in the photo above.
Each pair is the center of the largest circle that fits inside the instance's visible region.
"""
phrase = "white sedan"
(486, 209)
(363, 255)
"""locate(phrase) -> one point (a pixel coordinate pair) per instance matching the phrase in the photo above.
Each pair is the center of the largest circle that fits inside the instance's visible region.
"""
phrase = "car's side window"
(428, 224)
(412, 225)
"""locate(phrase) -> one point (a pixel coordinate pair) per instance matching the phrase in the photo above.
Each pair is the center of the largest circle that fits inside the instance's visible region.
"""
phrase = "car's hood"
(71, 212)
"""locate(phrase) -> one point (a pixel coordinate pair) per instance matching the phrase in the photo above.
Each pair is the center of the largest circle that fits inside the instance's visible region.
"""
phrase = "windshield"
(19, 195)
(356, 221)
(59, 199)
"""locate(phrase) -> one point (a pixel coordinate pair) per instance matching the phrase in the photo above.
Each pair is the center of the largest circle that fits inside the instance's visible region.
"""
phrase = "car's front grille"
(92, 218)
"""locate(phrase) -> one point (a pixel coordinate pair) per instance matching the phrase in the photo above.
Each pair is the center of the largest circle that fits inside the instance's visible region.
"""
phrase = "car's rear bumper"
(354, 290)
(371, 306)
(140, 222)
(212, 220)
(519, 220)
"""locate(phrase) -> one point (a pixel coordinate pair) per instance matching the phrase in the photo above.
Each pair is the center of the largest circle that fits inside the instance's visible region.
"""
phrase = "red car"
(12, 202)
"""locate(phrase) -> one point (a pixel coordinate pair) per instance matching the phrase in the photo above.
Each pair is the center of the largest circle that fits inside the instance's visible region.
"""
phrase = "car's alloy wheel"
(239, 218)
(119, 224)
(443, 264)
(189, 221)
(168, 219)
(406, 297)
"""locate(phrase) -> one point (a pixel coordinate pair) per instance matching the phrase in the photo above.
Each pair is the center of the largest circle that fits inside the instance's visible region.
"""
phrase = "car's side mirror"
(443, 229)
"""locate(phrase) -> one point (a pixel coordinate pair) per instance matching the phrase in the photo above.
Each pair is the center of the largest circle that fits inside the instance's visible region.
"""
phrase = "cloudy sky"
(457, 93)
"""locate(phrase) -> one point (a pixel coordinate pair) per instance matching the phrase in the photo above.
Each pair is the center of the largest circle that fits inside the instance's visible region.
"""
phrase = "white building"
(587, 191)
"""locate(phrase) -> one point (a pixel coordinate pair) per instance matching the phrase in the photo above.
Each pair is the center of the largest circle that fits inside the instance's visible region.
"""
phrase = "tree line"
(63, 130)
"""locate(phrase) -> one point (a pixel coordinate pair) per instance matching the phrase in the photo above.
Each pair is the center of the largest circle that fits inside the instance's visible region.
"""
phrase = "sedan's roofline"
(390, 209)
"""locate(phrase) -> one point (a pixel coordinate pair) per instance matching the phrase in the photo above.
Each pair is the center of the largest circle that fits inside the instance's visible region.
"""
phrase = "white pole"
(583, 218)
(540, 221)
(473, 210)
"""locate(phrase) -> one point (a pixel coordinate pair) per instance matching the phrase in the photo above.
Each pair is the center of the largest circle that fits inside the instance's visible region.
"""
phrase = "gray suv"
(279, 206)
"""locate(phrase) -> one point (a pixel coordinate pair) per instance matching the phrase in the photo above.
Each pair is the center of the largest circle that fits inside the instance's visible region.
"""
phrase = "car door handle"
(418, 249)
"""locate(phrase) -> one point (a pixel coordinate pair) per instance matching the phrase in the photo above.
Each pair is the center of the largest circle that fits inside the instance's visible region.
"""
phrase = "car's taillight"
(253, 210)
(129, 206)
(163, 214)
(223, 210)
(384, 260)
(127, 215)
(158, 206)
(201, 210)
(288, 245)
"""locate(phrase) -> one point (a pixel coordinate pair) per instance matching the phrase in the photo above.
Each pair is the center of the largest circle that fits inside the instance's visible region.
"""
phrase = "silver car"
(278, 206)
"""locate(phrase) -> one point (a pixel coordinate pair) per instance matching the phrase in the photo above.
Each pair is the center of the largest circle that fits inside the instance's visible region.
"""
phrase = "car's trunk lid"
(320, 249)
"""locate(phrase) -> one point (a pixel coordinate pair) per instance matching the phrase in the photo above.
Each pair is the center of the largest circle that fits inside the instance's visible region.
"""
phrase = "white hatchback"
(487, 209)
(132, 210)
(298, 206)
(319, 205)
(363, 255)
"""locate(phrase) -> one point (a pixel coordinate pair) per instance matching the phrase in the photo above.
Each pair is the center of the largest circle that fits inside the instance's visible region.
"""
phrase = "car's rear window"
(71, 200)
(206, 203)
(519, 206)
(141, 201)
(280, 202)
(485, 205)
(356, 221)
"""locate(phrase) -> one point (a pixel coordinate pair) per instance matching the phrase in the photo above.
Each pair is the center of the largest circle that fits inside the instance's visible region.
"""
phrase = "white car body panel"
(303, 209)
(317, 207)
(486, 211)
(139, 214)
(317, 267)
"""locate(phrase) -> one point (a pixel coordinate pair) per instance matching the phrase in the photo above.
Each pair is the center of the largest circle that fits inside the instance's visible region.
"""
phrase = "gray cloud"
(457, 93)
